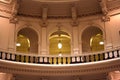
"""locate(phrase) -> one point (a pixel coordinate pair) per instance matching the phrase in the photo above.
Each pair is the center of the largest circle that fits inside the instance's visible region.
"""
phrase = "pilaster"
(44, 25)
(75, 30)
(11, 38)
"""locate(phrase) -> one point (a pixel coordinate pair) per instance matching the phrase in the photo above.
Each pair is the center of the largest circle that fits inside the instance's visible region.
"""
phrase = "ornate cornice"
(5, 10)
(6, 1)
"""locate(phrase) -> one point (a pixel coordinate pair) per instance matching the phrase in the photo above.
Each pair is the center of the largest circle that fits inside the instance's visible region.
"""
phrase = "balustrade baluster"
(38, 60)
(98, 57)
(61, 60)
(15, 57)
(85, 59)
(75, 59)
(94, 56)
(108, 55)
(113, 55)
(10, 57)
(103, 56)
(48, 60)
(118, 53)
(20, 58)
(24, 58)
(80, 59)
(29, 59)
(5, 56)
(71, 60)
(52, 60)
(43, 60)
(56, 60)
(1, 55)
(89, 58)
(34, 59)
(66, 60)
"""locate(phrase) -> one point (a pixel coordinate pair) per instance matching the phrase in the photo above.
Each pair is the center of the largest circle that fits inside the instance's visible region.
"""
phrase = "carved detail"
(44, 22)
(6, 11)
(14, 11)
(75, 23)
(74, 17)
(104, 9)
(6, 1)
(106, 18)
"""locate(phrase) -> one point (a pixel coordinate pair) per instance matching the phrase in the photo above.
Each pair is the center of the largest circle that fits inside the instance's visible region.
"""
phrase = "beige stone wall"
(8, 32)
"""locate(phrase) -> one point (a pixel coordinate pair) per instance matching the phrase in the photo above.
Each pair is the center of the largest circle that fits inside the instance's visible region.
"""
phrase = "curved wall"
(8, 31)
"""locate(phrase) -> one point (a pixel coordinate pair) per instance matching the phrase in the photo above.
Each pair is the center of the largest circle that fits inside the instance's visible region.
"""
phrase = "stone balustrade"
(64, 59)
(70, 65)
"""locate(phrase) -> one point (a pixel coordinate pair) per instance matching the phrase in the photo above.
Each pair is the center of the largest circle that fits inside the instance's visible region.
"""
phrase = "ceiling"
(62, 8)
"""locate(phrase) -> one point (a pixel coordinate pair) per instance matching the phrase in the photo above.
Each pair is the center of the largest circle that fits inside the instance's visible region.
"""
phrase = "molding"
(6, 11)
(6, 1)
(53, 70)
(56, 1)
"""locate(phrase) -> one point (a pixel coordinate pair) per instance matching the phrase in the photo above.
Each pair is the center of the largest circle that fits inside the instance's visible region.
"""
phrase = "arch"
(92, 24)
(32, 35)
(87, 33)
(64, 38)
(60, 44)
(25, 26)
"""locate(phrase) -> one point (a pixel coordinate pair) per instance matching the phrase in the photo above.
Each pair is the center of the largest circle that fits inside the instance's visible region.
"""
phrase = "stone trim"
(72, 69)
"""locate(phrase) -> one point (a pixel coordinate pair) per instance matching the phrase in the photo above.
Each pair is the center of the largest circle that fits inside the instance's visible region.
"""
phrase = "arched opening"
(27, 41)
(23, 44)
(97, 43)
(60, 44)
(92, 40)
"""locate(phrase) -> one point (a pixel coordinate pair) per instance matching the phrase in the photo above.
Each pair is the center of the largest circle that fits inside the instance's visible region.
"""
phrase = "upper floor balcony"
(47, 65)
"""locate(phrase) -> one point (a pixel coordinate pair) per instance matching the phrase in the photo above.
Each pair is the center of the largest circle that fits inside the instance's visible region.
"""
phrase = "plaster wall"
(8, 31)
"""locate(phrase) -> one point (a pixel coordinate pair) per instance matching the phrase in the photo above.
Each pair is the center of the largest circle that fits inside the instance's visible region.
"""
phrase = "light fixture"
(60, 55)
(18, 44)
(101, 43)
(59, 37)
(59, 45)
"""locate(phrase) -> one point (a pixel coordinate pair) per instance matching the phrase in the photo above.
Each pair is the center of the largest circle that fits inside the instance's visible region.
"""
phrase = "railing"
(71, 59)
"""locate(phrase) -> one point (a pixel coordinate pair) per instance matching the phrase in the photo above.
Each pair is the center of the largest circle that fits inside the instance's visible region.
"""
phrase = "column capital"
(104, 9)
(75, 23)
(44, 23)
(106, 18)
(13, 18)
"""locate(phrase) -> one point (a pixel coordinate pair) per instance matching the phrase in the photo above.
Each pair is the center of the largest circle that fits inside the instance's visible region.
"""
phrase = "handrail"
(55, 59)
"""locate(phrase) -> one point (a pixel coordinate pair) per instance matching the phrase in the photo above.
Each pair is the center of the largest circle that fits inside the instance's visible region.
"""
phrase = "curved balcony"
(47, 65)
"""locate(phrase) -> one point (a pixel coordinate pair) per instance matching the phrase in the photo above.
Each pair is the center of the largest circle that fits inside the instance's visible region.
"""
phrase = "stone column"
(75, 39)
(44, 41)
(44, 31)
(115, 75)
(108, 36)
(5, 76)
(11, 38)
